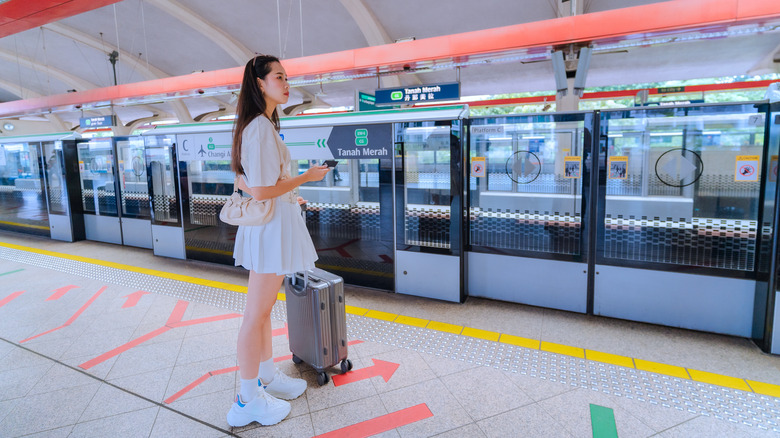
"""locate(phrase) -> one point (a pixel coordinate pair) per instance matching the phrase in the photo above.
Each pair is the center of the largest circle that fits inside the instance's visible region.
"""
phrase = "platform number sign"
(746, 168)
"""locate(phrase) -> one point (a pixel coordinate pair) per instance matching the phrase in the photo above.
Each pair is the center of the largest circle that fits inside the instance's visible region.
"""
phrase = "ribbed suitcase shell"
(317, 319)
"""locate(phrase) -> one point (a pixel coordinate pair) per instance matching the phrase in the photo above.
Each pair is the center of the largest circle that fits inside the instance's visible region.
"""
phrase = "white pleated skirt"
(282, 246)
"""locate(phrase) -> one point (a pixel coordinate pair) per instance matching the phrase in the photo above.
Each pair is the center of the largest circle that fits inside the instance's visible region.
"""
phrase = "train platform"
(103, 340)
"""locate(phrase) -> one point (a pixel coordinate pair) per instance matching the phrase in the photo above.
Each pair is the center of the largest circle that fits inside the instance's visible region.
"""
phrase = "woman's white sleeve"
(260, 154)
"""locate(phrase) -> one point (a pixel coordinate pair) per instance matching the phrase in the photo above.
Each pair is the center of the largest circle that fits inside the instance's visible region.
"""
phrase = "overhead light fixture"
(9, 126)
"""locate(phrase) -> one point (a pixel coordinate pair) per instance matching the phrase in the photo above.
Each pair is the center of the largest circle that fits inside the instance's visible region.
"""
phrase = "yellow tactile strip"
(597, 356)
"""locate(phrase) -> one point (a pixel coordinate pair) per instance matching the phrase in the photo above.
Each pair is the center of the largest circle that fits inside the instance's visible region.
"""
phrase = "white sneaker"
(265, 409)
(284, 386)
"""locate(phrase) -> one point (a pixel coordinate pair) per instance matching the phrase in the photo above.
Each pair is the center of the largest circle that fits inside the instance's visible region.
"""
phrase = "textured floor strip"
(736, 400)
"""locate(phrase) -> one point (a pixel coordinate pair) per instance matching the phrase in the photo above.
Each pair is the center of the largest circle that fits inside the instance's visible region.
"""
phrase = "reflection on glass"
(210, 184)
(162, 179)
(529, 197)
(134, 187)
(55, 178)
(96, 159)
(427, 197)
(22, 201)
(682, 199)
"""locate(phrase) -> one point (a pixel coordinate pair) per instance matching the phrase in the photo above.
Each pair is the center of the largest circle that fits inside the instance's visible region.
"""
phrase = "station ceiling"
(168, 38)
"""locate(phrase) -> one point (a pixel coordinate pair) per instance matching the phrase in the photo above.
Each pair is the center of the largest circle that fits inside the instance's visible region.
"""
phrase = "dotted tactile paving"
(150, 283)
(736, 406)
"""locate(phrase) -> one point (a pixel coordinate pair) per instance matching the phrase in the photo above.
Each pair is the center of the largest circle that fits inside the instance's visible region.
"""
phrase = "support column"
(570, 63)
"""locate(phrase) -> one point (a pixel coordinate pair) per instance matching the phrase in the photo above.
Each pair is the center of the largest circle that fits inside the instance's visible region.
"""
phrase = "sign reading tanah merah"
(341, 142)
(422, 93)
(96, 122)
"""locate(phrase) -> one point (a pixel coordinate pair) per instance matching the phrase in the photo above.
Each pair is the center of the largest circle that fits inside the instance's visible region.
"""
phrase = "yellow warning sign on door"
(746, 168)
(572, 167)
(478, 166)
(618, 167)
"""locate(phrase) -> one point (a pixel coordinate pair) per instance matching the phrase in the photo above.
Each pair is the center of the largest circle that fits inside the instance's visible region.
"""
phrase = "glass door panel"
(675, 194)
(23, 207)
(133, 184)
(162, 174)
(96, 165)
(426, 190)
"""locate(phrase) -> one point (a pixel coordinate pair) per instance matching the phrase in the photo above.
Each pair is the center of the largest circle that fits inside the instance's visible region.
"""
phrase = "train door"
(110, 167)
(528, 207)
(679, 219)
(167, 230)
(429, 210)
(22, 197)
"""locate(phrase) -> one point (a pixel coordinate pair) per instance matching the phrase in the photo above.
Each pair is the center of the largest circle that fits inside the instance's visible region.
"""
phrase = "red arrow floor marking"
(206, 376)
(382, 424)
(58, 293)
(133, 298)
(10, 298)
(380, 368)
(72, 318)
(174, 321)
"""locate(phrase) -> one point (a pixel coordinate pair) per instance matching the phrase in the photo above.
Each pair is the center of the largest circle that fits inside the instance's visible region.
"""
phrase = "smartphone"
(331, 163)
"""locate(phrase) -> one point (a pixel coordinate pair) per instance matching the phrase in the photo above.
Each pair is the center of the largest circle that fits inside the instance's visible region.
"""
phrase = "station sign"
(364, 101)
(97, 122)
(349, 142)
(417, 94)
(216, 146)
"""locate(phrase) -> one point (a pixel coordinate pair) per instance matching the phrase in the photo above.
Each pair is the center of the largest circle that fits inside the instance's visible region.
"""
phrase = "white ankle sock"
(267, 370)
(248, 390)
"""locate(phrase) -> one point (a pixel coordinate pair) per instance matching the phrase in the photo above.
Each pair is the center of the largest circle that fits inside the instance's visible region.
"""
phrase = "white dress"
(283, 245)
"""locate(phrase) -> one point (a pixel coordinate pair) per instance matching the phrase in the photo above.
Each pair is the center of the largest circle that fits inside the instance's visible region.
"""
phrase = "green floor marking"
(603, 422)
(11, 272)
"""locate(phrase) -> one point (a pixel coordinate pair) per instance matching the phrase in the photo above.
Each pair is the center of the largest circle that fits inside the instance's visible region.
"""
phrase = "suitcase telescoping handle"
(298, 288)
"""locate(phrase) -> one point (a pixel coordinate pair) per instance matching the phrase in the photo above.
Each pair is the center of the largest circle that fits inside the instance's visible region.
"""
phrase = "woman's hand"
(301, 201)
(316, 173)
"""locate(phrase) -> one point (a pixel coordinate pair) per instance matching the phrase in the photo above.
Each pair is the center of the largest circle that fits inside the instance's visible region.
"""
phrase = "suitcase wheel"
(296, 359)
(322, 378)
(346, 365)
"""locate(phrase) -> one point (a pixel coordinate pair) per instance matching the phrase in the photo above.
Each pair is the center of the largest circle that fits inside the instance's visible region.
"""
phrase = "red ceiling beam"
(20, 15)
(633, 22)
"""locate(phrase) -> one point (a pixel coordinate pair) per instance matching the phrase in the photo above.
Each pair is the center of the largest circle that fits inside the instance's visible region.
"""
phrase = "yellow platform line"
(153, 272)
(534, 344)
(19, 224)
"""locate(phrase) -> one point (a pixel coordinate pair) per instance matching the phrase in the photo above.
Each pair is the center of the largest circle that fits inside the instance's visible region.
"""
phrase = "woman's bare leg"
(254, 337)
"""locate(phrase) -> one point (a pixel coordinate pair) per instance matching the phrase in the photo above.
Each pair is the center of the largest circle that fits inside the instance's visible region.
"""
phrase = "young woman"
(269, 251)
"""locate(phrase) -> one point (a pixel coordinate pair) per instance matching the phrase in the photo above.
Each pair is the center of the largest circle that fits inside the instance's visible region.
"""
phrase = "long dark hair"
(251, 104)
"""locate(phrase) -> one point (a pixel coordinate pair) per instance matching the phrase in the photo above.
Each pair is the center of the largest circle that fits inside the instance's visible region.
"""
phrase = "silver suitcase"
(317, 321)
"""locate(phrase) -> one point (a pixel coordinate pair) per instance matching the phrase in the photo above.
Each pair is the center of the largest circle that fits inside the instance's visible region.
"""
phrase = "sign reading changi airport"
(97, 122)
(356, 142)
(417, 94)
(215, 146)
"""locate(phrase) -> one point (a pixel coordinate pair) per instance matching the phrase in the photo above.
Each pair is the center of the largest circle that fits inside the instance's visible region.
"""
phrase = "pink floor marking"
(174, 321)
(58, 293)
(10, 298)
(72, 318)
